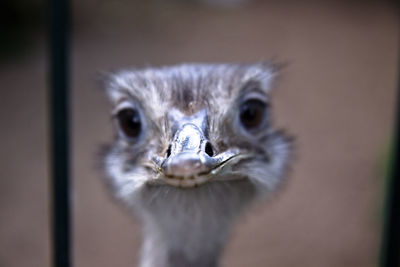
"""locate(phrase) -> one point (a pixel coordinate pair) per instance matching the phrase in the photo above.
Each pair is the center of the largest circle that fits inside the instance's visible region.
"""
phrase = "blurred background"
(336, 95)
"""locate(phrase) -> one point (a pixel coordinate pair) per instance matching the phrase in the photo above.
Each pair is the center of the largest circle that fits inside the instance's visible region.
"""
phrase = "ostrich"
(194, 146)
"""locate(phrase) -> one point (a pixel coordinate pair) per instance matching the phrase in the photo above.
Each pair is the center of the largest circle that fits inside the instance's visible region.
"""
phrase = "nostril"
(209, 149)
(168, 151)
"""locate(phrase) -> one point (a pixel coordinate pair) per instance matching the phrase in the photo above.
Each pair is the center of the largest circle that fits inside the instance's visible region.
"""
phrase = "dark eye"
(129, 122)
(252, 113)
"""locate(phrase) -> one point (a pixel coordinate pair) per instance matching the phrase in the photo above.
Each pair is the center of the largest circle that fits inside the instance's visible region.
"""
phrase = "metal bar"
(58, 19)
(390, 249)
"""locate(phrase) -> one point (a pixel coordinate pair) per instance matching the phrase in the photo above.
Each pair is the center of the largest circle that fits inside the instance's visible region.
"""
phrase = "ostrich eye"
(129, 122)
(252, 113)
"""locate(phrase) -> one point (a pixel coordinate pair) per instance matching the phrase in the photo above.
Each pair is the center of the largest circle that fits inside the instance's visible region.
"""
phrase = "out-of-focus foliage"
(20, 20)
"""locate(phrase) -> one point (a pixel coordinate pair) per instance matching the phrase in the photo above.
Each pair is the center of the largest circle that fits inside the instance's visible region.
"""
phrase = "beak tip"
(184, 164)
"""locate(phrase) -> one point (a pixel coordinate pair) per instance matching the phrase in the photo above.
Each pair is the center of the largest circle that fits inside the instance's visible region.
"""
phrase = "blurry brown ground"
(336, 96)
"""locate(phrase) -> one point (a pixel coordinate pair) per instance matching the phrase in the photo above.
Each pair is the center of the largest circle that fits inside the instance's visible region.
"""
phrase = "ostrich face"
(189, 126)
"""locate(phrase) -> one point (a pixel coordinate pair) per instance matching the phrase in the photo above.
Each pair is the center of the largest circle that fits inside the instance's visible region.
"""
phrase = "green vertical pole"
(390, 252)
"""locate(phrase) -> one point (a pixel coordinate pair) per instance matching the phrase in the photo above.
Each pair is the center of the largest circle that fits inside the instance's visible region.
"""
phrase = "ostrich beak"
(190, 162)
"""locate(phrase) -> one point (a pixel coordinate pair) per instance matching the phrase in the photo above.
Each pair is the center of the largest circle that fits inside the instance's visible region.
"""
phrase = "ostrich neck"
(188, 228)
(188, 242)
(156, 253)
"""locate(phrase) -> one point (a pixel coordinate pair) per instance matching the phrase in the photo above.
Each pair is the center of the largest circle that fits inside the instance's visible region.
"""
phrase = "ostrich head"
(194, 145)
